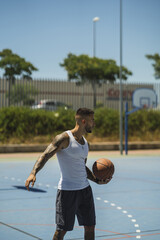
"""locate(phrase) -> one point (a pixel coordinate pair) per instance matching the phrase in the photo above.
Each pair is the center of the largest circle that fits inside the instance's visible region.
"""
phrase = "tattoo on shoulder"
(59, 139)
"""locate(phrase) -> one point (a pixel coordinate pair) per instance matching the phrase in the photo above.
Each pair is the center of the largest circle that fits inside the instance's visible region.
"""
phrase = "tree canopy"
(93, 70)
(14, 65)
(156, 64)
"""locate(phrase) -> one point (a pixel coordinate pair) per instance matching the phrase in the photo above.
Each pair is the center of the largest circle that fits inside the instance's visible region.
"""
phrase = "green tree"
(156, 64)
(84, 69)
(14, 66)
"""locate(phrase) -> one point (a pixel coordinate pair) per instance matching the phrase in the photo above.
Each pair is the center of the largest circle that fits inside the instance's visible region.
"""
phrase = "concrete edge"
(18, 148)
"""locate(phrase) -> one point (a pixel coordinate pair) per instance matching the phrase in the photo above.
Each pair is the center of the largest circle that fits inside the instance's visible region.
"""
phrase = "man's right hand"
(31, 178)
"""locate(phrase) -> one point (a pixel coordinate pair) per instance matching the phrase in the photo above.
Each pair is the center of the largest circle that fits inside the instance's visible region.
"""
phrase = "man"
(74, 195)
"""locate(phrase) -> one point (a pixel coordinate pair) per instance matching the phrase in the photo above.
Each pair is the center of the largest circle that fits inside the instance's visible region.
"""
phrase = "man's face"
(90, 124)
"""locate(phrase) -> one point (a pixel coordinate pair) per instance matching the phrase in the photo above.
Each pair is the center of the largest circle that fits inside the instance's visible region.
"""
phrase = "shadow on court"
(126, 208)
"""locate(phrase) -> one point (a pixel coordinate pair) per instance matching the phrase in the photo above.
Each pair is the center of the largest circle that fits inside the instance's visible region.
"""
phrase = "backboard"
(144, 98)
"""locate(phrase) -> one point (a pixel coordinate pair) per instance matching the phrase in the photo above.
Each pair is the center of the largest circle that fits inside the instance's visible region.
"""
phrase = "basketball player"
(74, 194)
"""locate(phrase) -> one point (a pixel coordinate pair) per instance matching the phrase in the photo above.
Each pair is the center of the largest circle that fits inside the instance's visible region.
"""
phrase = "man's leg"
(59, 234)
(89, 232)
(86, 213)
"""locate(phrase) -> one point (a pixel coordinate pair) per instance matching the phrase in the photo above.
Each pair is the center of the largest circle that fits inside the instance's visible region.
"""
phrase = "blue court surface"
(127, 208)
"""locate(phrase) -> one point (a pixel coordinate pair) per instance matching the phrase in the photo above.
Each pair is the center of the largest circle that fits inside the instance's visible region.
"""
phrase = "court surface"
(126, 208)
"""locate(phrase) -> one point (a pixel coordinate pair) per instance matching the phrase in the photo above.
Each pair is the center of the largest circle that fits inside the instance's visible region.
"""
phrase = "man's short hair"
(84, 112)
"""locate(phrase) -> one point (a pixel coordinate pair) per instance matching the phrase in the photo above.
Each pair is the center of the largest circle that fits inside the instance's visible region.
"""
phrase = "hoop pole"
(126, 128)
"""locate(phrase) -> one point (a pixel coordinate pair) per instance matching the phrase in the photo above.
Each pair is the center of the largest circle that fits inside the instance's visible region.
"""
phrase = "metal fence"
(26, 93)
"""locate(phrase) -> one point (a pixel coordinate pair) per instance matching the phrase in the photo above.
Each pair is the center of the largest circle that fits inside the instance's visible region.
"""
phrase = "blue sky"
(45, 31)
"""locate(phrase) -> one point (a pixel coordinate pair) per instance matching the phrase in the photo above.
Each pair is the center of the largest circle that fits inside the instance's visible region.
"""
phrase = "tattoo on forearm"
(48, 153)
(90, 175)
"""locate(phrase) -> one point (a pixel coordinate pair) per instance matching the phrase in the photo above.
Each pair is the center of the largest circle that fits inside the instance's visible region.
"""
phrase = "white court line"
(124, 211)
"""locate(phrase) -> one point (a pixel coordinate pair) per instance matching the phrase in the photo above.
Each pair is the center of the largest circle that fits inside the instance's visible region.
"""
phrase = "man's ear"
(83, 121)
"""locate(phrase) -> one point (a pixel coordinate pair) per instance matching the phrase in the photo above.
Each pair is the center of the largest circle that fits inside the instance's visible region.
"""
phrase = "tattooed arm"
(90, 175)
(61, 141)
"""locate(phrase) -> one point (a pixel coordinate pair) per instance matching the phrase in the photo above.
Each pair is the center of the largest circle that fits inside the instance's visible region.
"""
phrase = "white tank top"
(72, 165)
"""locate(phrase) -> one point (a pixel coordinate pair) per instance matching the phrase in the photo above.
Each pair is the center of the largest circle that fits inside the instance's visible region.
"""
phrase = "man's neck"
(77, 132)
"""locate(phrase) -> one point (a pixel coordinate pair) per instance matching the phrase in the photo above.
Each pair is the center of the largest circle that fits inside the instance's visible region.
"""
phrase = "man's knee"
(59, 234)
(89, 228)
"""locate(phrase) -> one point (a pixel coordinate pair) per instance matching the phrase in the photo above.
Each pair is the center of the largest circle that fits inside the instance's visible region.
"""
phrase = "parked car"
(50, 105)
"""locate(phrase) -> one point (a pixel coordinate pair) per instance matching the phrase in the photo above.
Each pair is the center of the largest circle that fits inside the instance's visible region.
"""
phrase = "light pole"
(94, 35)
(120, 86)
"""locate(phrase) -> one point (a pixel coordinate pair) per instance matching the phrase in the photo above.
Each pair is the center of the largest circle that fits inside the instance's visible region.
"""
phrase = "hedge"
(107, 123)
(22, 123)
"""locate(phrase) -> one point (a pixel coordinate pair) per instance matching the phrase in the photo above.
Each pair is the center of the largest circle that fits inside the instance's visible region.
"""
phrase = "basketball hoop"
(144, 98)
(145, 106)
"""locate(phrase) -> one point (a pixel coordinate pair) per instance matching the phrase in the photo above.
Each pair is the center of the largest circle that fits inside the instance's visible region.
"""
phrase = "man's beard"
(88, 129)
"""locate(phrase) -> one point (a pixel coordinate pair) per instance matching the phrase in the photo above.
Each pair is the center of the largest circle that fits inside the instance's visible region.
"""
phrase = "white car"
(50, 105)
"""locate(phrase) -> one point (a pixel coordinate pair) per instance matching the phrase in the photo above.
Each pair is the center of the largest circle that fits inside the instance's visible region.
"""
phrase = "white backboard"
(144, 98)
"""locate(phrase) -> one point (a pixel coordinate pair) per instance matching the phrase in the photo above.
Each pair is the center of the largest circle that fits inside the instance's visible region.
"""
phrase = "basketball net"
(145, 106)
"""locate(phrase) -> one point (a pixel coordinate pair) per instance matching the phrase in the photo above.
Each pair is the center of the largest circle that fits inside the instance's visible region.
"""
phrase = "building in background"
(27, 93)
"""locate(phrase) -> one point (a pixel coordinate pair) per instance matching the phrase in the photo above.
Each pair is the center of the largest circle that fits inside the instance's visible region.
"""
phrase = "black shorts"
(78, 203)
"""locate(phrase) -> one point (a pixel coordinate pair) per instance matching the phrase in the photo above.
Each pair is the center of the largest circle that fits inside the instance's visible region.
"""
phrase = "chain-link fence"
(29, 93)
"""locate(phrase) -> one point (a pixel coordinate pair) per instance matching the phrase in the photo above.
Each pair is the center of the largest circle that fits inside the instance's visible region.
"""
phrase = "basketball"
(103, 169)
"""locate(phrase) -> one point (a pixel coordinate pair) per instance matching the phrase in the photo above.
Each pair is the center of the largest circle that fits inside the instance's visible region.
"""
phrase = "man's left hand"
(98, 181)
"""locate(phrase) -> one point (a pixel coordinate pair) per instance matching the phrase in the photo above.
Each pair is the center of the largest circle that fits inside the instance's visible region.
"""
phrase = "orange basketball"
(103, 169)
